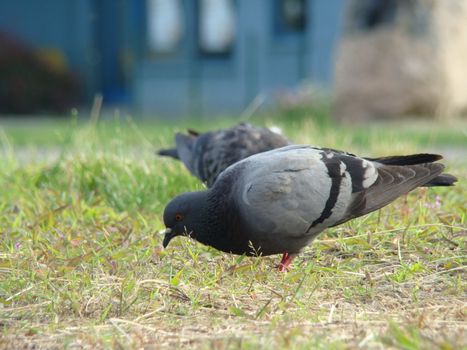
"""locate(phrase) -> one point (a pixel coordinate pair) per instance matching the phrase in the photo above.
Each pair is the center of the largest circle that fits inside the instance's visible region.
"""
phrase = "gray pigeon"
(206, 155)
(277, 202)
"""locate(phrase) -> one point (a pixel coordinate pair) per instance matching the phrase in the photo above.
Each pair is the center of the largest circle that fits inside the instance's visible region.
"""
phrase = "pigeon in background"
(206, 155)
(277, 202)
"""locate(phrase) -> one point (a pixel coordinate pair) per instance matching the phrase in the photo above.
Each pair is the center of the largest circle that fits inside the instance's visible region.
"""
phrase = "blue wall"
(104, 43)
(324, 33)
(263, 61)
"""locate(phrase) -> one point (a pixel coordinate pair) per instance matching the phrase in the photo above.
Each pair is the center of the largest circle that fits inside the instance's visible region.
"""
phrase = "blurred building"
(180, 57)
(402, 58)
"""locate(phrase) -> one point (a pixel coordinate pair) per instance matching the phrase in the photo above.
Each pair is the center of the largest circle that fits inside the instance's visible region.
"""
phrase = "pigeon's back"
(288, 195)
(280, 194)
(212, 152)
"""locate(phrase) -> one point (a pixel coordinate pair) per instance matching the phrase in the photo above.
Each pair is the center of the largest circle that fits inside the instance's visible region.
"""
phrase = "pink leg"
(285, 262)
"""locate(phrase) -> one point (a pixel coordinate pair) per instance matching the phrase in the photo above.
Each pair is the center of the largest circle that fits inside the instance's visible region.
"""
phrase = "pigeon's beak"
(169, 234)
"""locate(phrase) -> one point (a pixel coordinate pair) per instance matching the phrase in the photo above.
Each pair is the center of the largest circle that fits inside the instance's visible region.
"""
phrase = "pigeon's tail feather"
(442, 180)
(168, 152)
(393, 182)
(412, 159)
(422, 158)
(185, 147)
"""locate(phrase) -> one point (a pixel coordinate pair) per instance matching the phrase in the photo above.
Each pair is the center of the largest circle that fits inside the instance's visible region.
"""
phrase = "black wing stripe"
(334, 171)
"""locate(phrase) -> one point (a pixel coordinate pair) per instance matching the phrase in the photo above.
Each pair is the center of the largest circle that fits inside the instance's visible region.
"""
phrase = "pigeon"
(206, 155)
(277, 202)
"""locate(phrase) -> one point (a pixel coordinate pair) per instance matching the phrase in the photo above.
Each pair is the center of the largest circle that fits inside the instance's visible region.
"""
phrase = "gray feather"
(393, 181)
(279, 201)
(206, 155)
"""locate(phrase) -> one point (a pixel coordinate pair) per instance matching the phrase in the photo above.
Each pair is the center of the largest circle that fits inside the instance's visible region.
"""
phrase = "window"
(290, 16)
(165, 25)
(216, 27)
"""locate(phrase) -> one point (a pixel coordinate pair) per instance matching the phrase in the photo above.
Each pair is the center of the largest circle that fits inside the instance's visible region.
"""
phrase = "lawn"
(82, 266)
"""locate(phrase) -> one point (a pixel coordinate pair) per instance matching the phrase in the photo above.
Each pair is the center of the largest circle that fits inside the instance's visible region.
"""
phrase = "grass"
(81, 262)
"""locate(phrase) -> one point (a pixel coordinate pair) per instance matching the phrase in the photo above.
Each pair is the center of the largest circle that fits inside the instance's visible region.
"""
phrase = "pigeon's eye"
(178, 217)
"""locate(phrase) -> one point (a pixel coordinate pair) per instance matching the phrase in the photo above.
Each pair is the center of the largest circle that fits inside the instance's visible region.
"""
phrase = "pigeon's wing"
(290, 190)
(411, 159)
(393, 181)
(416, 159)
(299, 190)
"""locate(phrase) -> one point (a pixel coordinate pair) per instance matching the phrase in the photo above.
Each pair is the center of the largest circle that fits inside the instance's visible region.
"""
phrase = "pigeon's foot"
(284, 265)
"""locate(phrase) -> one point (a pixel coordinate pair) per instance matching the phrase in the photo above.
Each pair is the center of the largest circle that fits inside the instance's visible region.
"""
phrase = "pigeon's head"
(180, 215)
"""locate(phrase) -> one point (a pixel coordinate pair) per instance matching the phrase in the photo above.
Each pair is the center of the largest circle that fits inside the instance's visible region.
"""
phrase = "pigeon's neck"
(218, 222)
(210, 222)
